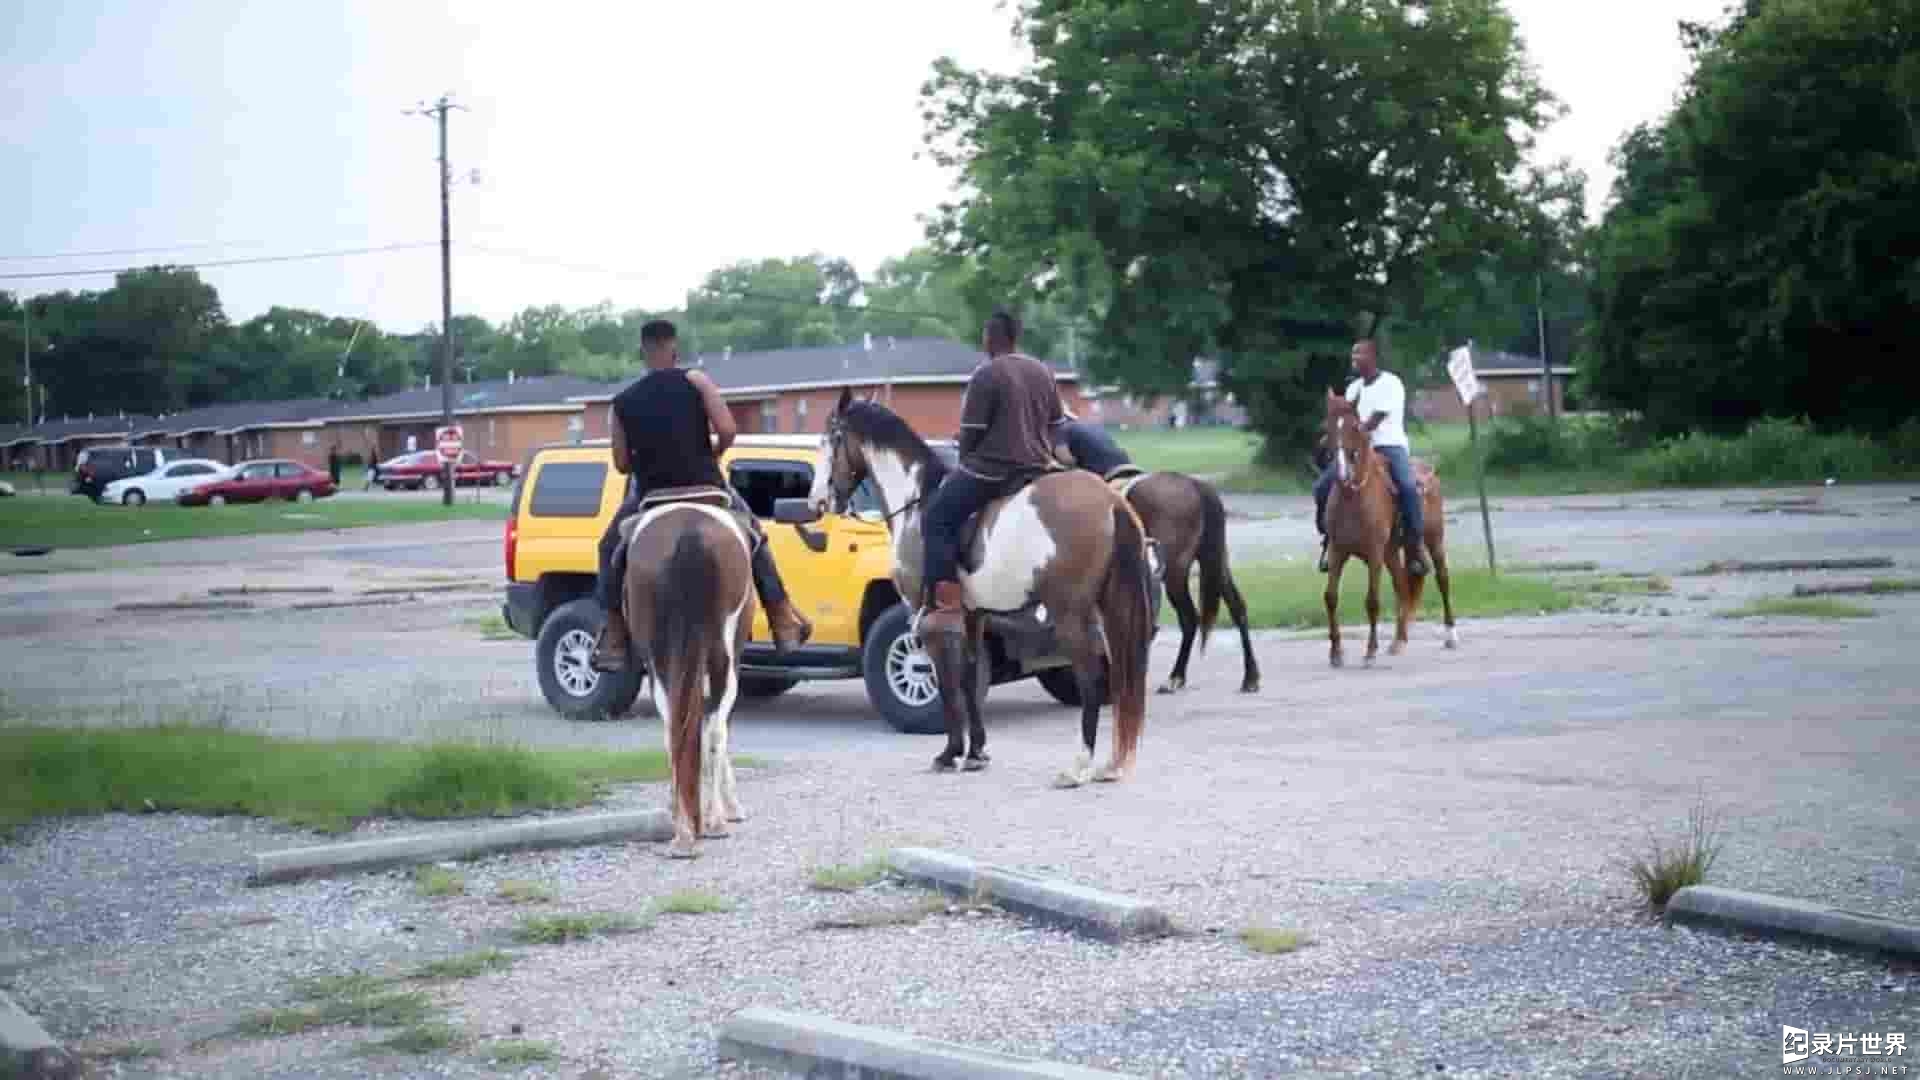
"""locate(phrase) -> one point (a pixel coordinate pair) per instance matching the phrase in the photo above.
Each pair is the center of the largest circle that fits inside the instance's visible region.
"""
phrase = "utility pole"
(26, 352)
(1546, 365)
(439, 110)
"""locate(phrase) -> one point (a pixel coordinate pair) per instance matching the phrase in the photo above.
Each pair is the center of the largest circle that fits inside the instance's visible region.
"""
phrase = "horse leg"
(1181, 598)
(1075, 636)
(1373, 610)
(683, 845)
(722, 807)
(1237, 607)
(976, 721)
(949, 652)
(1437, 556)
(1406, 594)
(1336, 562)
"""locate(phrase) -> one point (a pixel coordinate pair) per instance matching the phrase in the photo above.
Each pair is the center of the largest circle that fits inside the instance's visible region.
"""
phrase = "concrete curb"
(184, 605)
(1094, 912)
(1853, 588)
(328, 859)
(268, 590)
(819, 1046)
(1782, 917)
(1736, 566)
(27, 1051)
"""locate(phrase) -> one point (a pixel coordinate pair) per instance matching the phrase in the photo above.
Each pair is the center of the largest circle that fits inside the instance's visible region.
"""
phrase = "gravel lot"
(1445, 828)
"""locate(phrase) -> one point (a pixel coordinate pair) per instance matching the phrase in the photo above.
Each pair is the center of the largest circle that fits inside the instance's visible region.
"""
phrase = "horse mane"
(882, 428)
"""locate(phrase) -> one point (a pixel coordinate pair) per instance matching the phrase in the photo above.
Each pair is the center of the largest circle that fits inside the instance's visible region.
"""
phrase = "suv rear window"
(568, 489)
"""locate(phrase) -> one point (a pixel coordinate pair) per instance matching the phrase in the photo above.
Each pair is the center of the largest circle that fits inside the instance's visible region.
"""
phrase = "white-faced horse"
(1064, 552)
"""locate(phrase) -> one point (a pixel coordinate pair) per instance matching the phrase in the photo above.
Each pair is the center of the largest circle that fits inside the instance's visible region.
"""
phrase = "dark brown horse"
(1187, 518)
(1361, 522)
(1064, 551)
(689, 602)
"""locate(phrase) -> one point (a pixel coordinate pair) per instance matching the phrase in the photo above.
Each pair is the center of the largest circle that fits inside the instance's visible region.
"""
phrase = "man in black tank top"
(669, 429)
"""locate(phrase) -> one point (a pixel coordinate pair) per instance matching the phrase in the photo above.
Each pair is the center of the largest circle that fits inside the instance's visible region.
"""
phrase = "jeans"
(1400, 467)
(613, 557)
(961, 495)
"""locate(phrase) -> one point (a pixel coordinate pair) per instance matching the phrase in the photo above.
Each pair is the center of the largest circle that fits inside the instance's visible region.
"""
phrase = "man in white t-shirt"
(1382, 402)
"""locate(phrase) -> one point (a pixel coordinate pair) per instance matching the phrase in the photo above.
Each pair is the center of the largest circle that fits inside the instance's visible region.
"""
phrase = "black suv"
(102, 465)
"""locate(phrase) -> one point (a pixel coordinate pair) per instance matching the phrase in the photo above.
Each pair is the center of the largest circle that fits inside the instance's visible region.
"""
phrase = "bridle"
(1361, 471)
(841, 498)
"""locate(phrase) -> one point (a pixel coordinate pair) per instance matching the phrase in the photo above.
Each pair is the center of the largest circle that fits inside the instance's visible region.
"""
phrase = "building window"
(800, 415)
(769, 417)
(308, 438)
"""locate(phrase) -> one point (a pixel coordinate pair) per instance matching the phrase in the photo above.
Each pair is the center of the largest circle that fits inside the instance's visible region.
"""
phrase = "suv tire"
(900, 678)
(567, 681)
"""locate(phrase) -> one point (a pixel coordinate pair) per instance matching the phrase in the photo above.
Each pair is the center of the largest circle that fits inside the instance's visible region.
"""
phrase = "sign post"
(1460, 367)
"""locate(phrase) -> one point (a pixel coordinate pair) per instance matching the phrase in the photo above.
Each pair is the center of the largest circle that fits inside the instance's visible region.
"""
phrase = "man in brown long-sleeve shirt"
(1012, 403)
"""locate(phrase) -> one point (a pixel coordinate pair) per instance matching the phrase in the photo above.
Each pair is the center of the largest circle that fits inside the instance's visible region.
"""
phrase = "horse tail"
(686, 621)
(1213, 557)
(1126, 605)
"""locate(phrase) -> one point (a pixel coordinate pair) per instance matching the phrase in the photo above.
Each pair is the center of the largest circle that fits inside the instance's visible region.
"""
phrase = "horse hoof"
(1067, 780)
(682, 850)
(1453, 638)
(716, 834)
(943, 763)
(1396, 648)
(975, 762)
(1173, 686)
(1336, 660)
(737, 816)
(1109, 775)
(1368, 662)
(1251, 686)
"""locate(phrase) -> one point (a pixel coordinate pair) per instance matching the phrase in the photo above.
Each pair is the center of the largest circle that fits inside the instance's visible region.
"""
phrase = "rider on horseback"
(1011, 404)
(1381, 399)
(1088, 446)
(669, 429)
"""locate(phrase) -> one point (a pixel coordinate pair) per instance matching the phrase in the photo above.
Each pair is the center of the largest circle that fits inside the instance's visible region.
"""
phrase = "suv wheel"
(562, 655)
(901, 681)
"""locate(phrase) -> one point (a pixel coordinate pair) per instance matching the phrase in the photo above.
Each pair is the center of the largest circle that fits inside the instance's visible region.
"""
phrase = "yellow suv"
(838, 569)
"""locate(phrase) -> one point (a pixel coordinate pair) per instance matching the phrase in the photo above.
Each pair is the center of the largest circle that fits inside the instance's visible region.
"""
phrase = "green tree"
(1264, 178)
(1762, 257)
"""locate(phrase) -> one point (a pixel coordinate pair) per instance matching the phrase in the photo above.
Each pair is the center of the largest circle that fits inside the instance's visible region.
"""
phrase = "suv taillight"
(513, 544)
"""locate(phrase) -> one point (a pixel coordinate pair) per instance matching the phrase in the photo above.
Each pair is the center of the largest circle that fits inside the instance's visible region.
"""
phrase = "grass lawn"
(49, 771)
(1290, 596)
(1802, 607)
(72, 521)
(1190, 450)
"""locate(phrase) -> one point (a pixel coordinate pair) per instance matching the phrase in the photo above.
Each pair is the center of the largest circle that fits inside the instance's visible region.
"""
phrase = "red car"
(423, 470)
(257, 481)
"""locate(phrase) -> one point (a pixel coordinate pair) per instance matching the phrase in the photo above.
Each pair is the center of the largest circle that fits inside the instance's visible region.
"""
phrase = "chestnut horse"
(690, 602)
(1362, 521)
(1064, 552)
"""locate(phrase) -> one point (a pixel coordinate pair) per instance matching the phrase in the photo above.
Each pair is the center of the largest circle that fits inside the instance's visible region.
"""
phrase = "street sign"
(448, 440)
(1460, 368)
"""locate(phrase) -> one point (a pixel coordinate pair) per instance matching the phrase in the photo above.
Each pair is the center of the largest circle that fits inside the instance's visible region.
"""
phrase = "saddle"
(699, 495)
(1424, 478)
(1121, 478)
(970, 528)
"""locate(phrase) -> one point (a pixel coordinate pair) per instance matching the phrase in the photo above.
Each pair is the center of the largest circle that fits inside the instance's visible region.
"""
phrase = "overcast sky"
(653, 141)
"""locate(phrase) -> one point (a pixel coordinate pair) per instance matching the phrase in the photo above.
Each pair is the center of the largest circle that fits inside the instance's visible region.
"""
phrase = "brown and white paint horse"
(1361, 520)
(1064, 550)
(689, 603)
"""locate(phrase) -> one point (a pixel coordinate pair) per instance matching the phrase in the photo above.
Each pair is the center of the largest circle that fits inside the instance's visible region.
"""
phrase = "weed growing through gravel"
(516, 891)
(1808, 607)
(468, 966)
(435, 881)
(892, 915)
(328, 785)
(841, 877)
(1666, 869)
(425, 1038)
(560, 929)
(1271, 941)
(1627, 585)
(518, 1052)
(692, 903)
(132, 1051)
(349, 1000)
(491, 627)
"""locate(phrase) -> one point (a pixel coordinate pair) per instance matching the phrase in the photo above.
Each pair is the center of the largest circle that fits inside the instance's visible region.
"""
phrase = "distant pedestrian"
(334, 463)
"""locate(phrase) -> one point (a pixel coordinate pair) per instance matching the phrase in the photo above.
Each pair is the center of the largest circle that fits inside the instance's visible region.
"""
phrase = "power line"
(205, 263)
(112, 251)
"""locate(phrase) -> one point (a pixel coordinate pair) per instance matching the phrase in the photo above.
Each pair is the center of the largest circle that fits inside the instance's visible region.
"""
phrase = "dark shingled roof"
(534, 390)
(236, 416)
(58, 430)
(900, 359)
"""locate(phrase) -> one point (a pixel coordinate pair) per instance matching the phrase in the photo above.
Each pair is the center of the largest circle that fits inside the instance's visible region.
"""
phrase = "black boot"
(790, 628)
